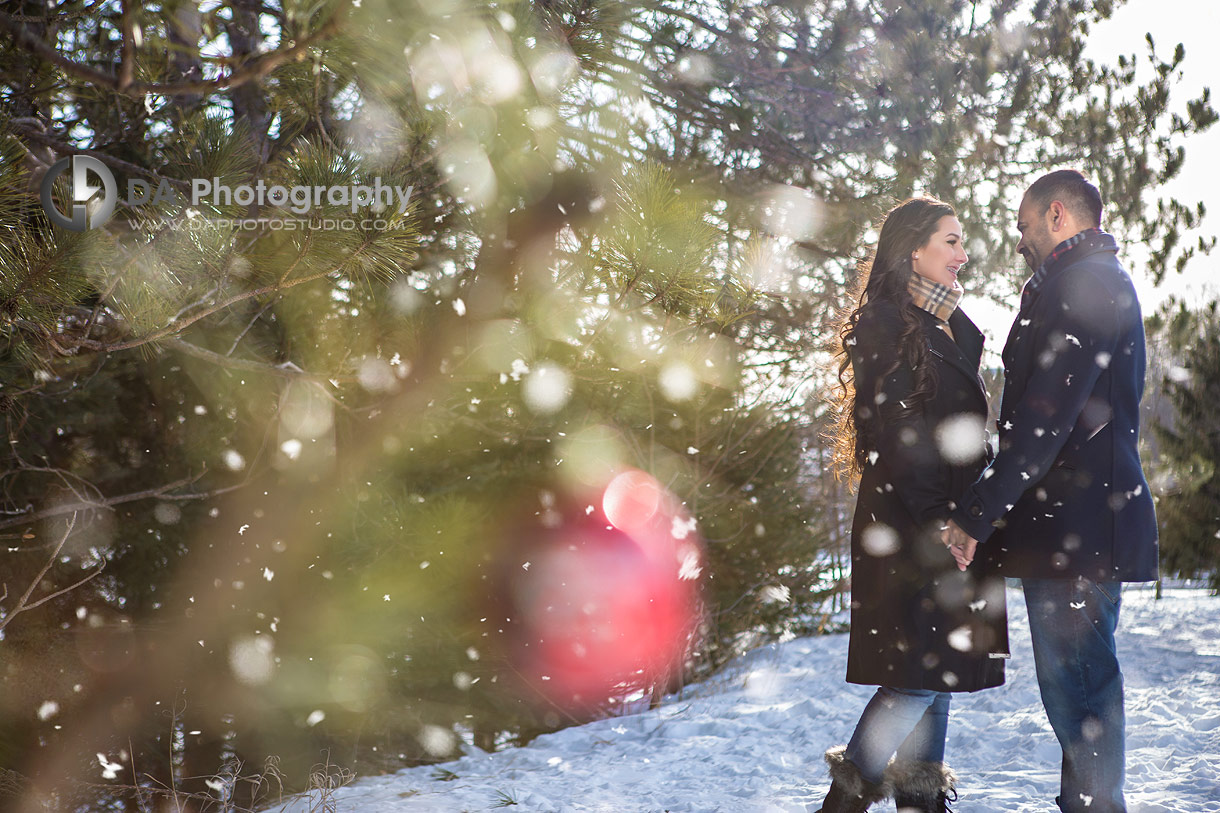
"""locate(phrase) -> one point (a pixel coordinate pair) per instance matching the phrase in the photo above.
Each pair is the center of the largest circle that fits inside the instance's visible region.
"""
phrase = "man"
(1065, 506)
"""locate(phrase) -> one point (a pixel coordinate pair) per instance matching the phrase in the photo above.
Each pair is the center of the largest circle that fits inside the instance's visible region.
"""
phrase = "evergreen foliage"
(294, 462)
(1188, 507)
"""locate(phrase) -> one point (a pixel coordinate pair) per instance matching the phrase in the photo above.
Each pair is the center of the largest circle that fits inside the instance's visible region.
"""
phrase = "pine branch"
(255, 70)
(173, 327)
(284, 370)
(105, 502)
(41, 137)
(72, 481)
(68, 344)
(59, 14)
(24, 604)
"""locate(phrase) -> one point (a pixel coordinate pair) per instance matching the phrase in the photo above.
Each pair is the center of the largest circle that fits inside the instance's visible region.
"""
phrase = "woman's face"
(942, 256)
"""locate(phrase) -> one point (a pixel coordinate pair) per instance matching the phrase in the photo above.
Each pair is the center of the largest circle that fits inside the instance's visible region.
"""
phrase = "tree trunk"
(249, 102)
(185, 25)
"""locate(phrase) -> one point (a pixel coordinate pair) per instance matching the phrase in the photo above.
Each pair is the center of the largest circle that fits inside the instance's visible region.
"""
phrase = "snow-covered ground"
(751, 739)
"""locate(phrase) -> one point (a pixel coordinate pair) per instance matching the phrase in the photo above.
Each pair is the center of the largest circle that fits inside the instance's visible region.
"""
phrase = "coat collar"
(1073, 249)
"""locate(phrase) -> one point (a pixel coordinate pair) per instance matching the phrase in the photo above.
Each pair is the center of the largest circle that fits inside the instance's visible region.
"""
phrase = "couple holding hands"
(941, 519)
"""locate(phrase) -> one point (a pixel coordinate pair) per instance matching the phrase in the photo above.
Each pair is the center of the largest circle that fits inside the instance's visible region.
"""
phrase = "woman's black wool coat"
(917, 622)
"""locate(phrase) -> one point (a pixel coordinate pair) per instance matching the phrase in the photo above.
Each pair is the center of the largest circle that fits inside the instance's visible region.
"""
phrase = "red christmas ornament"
(606, 600)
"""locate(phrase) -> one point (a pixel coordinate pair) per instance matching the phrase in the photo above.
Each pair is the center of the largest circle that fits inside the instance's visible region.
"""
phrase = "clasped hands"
(961, 544)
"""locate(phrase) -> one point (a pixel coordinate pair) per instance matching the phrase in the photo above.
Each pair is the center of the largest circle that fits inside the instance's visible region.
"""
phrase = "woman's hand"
(959, 543)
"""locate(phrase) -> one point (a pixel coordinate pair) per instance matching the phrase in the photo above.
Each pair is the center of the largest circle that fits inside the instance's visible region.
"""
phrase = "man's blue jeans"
(1072, 624)
(912, 722)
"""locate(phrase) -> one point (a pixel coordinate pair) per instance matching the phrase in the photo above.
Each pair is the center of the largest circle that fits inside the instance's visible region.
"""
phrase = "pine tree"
(294, 459)
(1188, 506)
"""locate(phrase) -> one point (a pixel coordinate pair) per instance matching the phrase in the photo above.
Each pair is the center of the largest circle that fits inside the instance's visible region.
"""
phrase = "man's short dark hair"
(1073, 190)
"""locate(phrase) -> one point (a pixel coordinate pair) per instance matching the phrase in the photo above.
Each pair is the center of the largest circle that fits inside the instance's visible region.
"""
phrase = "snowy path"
(751, 739)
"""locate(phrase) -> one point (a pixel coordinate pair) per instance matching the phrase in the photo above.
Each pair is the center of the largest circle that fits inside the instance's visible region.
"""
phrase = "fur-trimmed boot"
(849, 791)
(922, 787)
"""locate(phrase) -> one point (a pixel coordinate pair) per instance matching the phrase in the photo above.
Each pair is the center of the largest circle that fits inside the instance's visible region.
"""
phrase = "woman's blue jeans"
(910, 722)
(1072, 624)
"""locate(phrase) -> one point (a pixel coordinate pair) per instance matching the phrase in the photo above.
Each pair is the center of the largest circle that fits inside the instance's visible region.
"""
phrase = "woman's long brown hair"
(906, 228)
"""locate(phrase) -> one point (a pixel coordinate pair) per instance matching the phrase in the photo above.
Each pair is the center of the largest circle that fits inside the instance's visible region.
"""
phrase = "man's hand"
(960, 544)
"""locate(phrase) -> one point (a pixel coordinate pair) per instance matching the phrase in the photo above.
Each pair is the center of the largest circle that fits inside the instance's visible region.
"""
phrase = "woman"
(911, 410)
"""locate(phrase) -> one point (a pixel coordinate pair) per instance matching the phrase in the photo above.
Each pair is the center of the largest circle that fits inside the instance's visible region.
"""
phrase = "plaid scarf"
(1052, 260)
(938, 300)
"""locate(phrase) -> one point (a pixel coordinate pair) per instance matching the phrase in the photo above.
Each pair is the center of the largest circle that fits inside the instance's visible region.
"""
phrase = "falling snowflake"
(682, 528)
(879, 539)
(774, 594)
(376, 375)
(690, 569)
(110, 770)
(961, 639)
(961, 438)
(167, 513)
(252, 659)
(678, 382)
(547, 388)
(233, 459)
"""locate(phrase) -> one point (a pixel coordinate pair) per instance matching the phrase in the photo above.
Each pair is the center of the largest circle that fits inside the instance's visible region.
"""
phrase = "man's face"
(1036, 240)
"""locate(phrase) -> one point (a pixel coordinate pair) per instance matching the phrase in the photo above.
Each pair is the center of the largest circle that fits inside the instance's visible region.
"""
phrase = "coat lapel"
(969, 339)
(964, 351)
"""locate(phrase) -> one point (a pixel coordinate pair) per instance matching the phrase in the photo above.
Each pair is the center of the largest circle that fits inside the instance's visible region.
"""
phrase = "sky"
(1169, 22)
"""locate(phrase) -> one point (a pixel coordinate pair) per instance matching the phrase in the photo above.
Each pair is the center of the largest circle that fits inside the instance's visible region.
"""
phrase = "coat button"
(976, 511)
